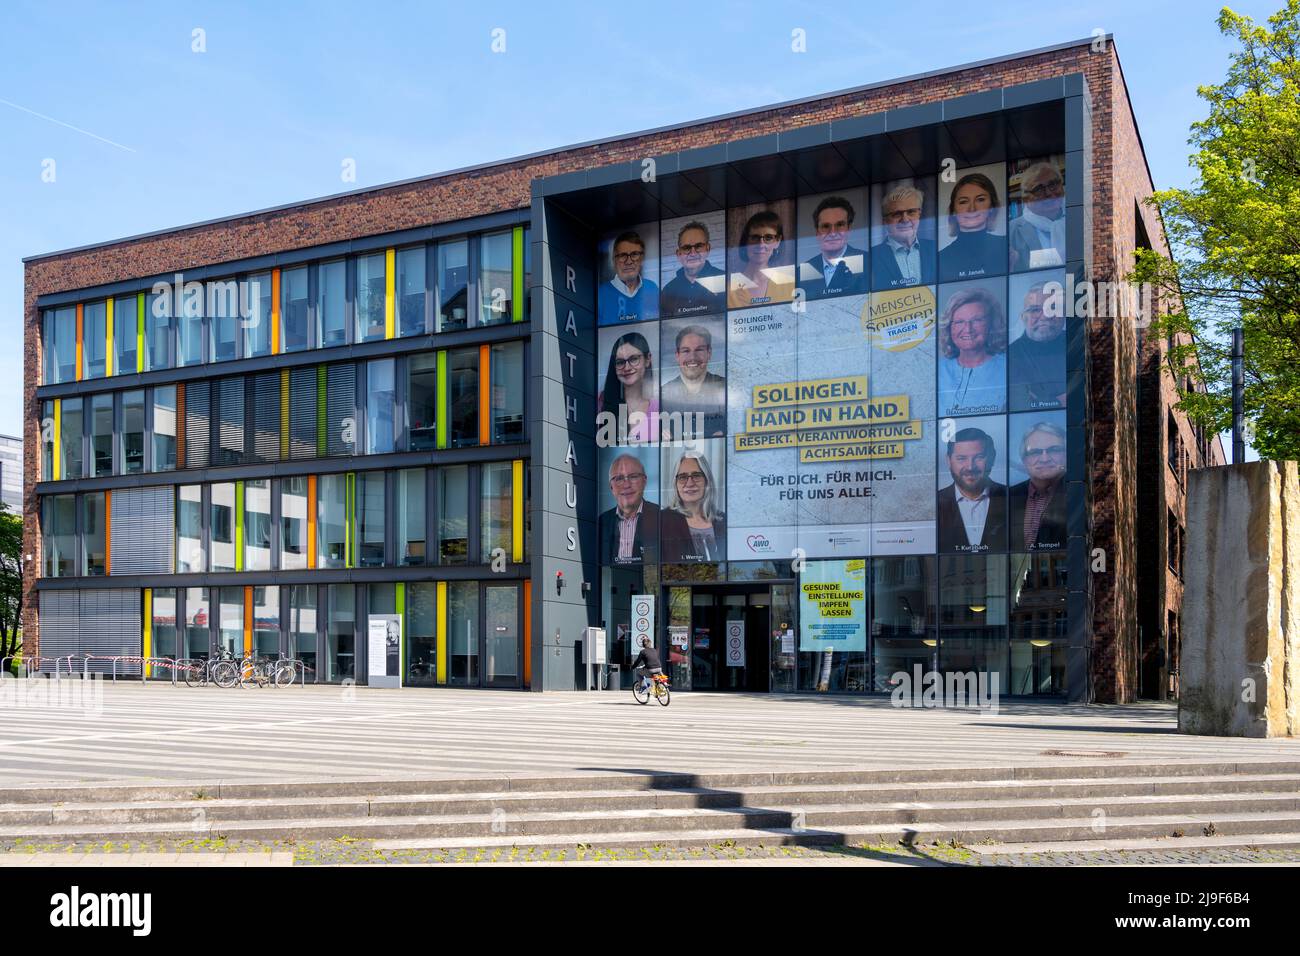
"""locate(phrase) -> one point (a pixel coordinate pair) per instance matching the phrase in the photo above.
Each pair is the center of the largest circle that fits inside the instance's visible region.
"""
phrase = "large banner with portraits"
(876, 371)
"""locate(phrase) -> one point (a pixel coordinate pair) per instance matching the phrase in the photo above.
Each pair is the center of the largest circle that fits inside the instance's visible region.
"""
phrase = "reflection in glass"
(903, 619)
(453, 280)
(973, 615)
(1038, 623)
(421, 634)
(462, 632)
(198, 623)
(340, 632)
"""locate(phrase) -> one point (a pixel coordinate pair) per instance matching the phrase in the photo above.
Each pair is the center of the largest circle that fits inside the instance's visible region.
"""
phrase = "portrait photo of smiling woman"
(629, 397)
(692, 526)
(972, 349)
(972, 233)
(760, 260)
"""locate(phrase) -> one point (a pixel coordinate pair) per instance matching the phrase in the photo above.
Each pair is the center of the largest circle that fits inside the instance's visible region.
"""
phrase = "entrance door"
(729, 638)
(501, 643)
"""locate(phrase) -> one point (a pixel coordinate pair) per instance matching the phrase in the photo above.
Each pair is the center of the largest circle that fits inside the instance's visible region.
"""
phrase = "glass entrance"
(729, 642)
(501, 635)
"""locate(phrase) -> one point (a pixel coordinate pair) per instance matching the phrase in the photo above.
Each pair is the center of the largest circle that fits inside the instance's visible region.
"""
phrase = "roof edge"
(463, 170)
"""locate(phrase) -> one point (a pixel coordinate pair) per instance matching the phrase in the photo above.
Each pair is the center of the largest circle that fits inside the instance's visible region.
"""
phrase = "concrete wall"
(1241, 606)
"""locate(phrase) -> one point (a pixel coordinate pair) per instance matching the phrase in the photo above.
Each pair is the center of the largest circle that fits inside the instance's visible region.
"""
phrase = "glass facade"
(871, 380)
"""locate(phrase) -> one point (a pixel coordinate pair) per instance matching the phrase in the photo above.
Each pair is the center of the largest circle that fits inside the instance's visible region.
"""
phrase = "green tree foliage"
(11, 581)
(1235, 240)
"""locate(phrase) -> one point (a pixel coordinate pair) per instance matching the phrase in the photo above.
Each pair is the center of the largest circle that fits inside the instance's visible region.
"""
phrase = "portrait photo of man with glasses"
(627, 294)
(905, 254)
(838, 267)
(1038, 506)
(1036, 355)
(629, 531)
(1037, 236)
(698, 284)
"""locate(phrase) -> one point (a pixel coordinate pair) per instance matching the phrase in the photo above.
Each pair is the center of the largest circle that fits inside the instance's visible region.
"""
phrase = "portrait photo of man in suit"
(629, 531)
(1037, 235)
(1038, 507)
(903, 258)
(972, 511)
(838, 268)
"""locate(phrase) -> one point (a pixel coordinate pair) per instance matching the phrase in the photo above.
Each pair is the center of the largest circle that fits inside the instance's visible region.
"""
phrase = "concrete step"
(1262, 841)
(1285, 809)
(991, 836)
(503, 783)
(923, 794)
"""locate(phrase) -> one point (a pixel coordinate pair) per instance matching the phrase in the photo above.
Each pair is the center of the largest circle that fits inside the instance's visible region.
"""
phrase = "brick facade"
(1119, 179)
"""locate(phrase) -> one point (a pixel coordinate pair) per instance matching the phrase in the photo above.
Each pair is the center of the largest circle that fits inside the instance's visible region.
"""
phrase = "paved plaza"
(132, 733)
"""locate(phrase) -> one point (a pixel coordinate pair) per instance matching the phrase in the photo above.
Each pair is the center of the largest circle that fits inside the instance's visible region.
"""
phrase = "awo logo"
(76, 909)
(758, 543)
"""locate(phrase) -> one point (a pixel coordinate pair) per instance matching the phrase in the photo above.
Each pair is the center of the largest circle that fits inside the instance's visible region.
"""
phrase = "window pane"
(331, 296)
(507, 369)
(164, 428)
(59, 535)
(370, 519)
(973, 614)
(257, 524)
(341, 409)
(158, 328)
(221, 526)
(47, 440)
(94, 340)
(340, 632)
(132, 438)
(462, 631)
(411, 523)
(462, 397)
(229, 396)
(453, 284)
(198, 424)
(126, 329)
(371, 294)
(190, 326)
(422, 402)
(198, 623)
(230, 620)
(495, 284)
(266, 416)
(302, 626)
(293, 524)
(331, 521)
(71, 434)
(380, 406)
(293, 310)
(453, 522)
(903, 618)
(421, 634)
(496, 510)
(303, 409)
(61, 345)
(257, 324)
(410, 291)
(224, 330)
(266, 622)
(101, 435)
(94, 556)
(1038, 623)
(163, 623)
(189, 529)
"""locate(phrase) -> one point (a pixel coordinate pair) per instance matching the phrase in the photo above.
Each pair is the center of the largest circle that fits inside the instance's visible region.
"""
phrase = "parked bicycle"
(263, 671)
(655, 686)
(219, 670)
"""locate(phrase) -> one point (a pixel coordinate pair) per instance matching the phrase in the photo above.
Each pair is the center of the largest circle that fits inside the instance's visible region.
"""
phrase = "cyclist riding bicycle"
(647, 663)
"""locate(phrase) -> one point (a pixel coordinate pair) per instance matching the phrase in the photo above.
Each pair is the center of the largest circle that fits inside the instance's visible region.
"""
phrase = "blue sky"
(145, 133)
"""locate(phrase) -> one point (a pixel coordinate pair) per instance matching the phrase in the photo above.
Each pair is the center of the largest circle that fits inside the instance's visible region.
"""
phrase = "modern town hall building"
(813, 396)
